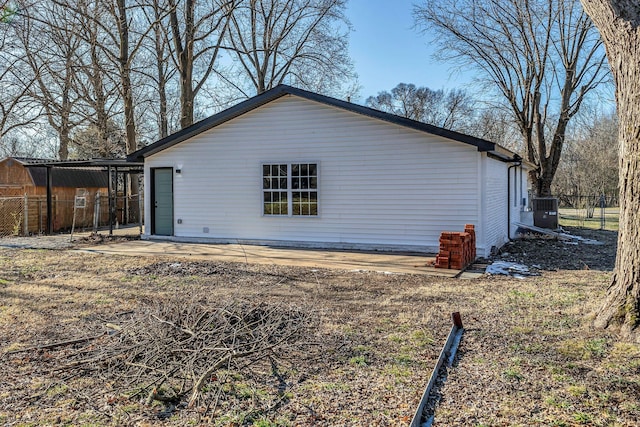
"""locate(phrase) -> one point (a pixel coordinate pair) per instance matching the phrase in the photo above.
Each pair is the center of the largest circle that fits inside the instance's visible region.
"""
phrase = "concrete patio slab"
(346, 260)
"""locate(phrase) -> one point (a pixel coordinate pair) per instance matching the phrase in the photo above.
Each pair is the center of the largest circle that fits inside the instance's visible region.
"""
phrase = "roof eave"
(504, 155)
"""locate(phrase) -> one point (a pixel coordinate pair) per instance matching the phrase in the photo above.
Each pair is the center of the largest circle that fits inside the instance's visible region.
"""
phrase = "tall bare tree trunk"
(125, 76)
(163, 121)
(619, 25)
(100, 101)
(124, 60)
(65, 138)
(57, 106)
(197, 37)
(184, 52)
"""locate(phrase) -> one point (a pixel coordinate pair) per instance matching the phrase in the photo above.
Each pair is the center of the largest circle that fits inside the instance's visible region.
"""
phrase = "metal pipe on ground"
(448, 353)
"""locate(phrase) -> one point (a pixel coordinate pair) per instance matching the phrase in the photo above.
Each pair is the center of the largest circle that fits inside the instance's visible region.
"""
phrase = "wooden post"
(115, 197)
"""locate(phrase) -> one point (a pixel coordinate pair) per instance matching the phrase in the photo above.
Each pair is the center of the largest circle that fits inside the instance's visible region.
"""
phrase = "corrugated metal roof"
(78, 173)
(68, 177)
(31, 160)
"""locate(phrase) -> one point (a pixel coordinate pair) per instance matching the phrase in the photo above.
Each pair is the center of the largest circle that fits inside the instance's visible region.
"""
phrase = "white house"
(294, 168)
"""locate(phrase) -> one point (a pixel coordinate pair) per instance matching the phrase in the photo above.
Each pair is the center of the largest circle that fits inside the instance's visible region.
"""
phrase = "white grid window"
(290, 189)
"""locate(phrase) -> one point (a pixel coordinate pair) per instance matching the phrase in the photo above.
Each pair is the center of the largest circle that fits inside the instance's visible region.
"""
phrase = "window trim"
(289, 190)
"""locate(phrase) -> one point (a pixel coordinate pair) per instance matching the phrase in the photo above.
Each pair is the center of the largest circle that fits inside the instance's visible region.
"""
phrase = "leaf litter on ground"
(529, 355)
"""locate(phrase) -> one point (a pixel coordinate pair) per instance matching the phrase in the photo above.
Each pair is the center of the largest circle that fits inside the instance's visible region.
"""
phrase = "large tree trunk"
(163, 120)
(619, 25)
(101, 120)
(63, 150)
(127, 97)
(125, 77)
(184, 52)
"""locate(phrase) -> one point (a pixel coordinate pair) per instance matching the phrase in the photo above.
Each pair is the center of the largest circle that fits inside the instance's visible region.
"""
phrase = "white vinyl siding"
(494, 230)
(381, 185)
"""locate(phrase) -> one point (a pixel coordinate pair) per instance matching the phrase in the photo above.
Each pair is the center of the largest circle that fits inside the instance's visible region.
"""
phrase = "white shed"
(294, 168)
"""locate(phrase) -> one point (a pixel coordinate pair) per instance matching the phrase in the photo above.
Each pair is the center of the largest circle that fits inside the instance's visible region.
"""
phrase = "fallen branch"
(56, 344)
(185, 330)
(172, 351)
(207, 374)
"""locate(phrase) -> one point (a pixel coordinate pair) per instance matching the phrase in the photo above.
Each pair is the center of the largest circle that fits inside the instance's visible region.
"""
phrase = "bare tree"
(197, 30)
(543, 57)
(158, 49)
(93, 66)
(97, 81)
(17, 108)
(590, 162)
(112, 38)
(448, 109)
(124, 59)
(619, 25)
(496, 124)
(111, 47)
(301, 42)
(112, 142)
(50, 45)
(59, 49)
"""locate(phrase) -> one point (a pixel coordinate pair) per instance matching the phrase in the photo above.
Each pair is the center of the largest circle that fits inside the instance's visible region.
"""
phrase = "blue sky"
(387, 50)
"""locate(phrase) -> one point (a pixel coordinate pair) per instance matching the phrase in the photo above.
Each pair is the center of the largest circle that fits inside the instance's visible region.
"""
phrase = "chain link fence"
(589, 202)
(12, 216)
(27, 215)
(591, 211)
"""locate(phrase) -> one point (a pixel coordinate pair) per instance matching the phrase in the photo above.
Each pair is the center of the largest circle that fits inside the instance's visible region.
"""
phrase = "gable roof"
(279, 91)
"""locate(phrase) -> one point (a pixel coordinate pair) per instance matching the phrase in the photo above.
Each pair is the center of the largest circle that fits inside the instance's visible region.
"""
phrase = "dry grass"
(537, 361)
(574, 217)
(528, 356)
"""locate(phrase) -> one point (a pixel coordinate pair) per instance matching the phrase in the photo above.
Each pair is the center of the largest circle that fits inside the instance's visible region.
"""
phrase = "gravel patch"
(62, 241)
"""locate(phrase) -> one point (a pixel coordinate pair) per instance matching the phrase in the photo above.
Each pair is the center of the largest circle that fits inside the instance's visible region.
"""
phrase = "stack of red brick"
(457, 250)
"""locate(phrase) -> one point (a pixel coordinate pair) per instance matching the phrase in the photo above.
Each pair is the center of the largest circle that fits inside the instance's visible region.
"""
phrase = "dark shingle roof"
(282, 90)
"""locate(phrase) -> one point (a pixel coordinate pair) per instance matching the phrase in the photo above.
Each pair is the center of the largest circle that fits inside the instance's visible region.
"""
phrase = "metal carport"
(114, 168)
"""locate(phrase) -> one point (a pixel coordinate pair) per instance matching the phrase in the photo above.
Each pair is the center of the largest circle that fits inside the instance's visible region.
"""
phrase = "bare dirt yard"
(95, 340)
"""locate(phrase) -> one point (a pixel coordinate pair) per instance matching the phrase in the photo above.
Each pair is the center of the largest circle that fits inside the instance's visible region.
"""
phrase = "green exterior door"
(162, 202)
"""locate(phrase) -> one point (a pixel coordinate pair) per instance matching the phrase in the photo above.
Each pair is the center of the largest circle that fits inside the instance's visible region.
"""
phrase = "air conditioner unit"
(545, 212)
